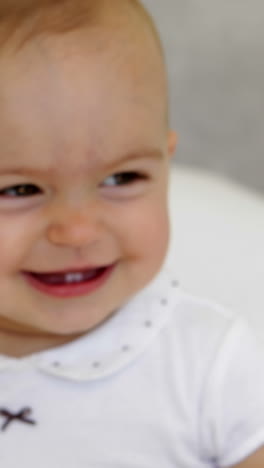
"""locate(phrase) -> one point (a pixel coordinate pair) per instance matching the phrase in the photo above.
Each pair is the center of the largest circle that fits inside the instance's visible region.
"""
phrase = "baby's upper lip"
(74, 269)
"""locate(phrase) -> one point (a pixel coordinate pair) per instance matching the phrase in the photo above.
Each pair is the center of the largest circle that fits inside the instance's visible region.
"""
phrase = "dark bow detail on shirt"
(22, 416)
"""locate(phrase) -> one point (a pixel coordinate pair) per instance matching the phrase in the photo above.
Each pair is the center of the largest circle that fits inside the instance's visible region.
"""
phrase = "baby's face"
(83, 182)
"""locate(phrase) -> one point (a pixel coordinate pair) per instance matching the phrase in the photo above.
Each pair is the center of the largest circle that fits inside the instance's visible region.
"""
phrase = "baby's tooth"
(73, 277)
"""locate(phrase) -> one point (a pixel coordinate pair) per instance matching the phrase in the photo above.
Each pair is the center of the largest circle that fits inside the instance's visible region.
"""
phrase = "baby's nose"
(75, 228)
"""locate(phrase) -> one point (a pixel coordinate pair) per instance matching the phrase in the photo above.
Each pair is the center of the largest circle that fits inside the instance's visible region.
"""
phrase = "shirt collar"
(114, 344)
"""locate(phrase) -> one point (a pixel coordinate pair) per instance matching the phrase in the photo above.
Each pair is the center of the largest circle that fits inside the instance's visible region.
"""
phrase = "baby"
(104, 361)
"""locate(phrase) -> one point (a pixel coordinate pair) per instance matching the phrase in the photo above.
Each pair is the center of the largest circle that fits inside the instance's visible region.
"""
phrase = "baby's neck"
(17, 345)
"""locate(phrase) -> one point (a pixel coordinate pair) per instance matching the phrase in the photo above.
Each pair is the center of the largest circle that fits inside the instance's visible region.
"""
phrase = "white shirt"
(170, 381)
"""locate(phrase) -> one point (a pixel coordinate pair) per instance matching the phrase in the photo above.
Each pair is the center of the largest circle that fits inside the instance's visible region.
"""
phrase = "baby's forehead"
(61, 99)
(120, 28)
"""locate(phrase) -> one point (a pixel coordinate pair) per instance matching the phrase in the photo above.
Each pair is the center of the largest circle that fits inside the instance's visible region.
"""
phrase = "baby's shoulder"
(193, 332)
(201, 329)
(193, 313)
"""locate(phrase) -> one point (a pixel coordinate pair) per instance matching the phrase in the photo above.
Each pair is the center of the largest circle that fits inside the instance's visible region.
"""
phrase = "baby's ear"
(172, 142)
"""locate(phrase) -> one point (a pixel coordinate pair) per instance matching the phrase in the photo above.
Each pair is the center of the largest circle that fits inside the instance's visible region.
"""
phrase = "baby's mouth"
(68, 278)
(69, 284)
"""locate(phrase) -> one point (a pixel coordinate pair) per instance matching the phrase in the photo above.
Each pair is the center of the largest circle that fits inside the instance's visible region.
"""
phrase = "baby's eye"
(18, 191)
(124, 178)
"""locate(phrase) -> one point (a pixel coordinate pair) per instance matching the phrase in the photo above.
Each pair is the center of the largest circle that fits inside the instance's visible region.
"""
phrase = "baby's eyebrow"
(154, 154)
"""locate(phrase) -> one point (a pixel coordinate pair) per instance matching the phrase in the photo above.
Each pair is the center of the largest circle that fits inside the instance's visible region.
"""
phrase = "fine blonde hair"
(26, 19)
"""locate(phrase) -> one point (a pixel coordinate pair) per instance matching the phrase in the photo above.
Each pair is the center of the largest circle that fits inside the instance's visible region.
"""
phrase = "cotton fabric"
(169, 381)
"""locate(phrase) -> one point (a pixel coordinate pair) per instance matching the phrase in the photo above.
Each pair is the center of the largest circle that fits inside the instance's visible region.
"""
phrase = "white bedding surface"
(217, 241)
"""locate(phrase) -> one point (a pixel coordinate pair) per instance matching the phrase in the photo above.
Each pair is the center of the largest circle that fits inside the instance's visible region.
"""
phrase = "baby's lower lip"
(68, 290)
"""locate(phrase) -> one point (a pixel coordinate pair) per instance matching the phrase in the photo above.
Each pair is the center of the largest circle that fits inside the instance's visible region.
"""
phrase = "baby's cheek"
(153, 235)
(16, 238)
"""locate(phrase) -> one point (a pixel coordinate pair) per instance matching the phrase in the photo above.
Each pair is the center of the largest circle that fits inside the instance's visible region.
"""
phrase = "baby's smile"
(70, 283)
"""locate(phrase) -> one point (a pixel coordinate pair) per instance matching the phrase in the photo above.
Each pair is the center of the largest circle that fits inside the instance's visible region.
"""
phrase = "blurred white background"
(215, 56)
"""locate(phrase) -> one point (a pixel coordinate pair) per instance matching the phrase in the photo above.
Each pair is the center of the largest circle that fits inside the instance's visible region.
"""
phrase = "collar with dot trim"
(114, 344)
